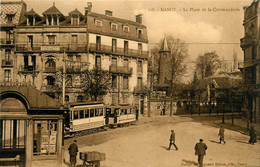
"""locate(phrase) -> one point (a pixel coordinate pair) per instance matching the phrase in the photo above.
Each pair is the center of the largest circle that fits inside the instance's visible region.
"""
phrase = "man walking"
(172, 140)
(73, 150)
(221, 135)
(252, 135)
(200, 150)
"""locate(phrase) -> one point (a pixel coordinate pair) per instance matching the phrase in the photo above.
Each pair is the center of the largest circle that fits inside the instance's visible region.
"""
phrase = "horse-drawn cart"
(92, 159)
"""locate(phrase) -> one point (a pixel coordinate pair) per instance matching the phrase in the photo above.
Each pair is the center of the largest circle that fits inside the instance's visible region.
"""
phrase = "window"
(74, 20)
(125, 47)
(113, 45)
(114, 61)
(125, 28)
(9, 17)
(113, 26)
(55, 20)
(114, 81)
(7, 55)
(51, 39)
(8, 37)
(8, 75)
(139, 82)
(76, 115)
(87, 113)
(12, 133)
(139, 33)
(125, 82)
(140, 48)
(50, 65)
(25, 60)
(51, 81)
(98, 62)
(30, 41)
(70, 57)
(98, 43)
(78, 58)
(81, 114)
(69, 80)
(96, 112)
(139, 66)
(126, 63)
(45, 137)
(92, 112)
(67, 98)
(79, 98)
(100, 111)
(98, 23)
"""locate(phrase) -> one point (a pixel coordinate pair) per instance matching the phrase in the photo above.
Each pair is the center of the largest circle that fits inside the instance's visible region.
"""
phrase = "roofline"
(13, 2)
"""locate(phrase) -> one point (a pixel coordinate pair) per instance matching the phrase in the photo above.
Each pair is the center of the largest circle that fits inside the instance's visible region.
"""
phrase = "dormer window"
(113, 26)
(74, 20)
(10, 17)
(125, 28)
(98, 23)
(139, 33)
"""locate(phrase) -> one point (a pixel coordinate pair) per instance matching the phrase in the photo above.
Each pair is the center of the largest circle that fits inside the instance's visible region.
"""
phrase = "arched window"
(50, 80)
(50, 65)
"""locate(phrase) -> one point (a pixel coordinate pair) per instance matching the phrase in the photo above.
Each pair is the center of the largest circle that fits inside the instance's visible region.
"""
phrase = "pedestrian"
(73, 150)
(136, 113)
(221, 135)
(252, 134)
(200, 150)
(172, 140)
(163, 110)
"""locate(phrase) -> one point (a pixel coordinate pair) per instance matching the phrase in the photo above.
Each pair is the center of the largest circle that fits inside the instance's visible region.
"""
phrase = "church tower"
(164, 65)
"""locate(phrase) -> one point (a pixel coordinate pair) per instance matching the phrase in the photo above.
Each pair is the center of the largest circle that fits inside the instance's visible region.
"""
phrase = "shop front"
(31, 126)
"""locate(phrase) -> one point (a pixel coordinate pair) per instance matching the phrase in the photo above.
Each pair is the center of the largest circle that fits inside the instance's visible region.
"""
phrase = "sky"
(201, 24)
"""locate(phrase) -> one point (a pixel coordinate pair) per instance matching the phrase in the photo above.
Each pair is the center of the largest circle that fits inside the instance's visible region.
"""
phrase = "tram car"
(120, 115)
(84, 118)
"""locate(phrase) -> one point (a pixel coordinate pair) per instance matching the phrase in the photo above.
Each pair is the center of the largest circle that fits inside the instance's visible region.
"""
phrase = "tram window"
(101, 112)
(76, 115)
(71, 116)
(96, 112)
(91, 112)
(129, 111)
(87, 113)
(81, 114)
(116, 111)
(125, 111)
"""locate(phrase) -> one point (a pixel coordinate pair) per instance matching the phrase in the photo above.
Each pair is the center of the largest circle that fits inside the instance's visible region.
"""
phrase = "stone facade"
(47, 44)
(250, 44)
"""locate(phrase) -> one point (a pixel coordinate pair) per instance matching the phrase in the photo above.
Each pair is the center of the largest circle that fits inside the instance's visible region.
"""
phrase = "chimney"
(139, 18)
(108, 13)
(88, 9)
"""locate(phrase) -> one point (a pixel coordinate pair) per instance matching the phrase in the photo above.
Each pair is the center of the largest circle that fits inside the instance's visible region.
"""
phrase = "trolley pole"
(63, 78)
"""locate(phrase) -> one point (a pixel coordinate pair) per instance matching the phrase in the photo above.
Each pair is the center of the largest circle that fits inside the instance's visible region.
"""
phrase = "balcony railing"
(28, 47)
(121, 51)
(28, 69)
(74, 47)
(140, 90)
(75, 66)
(49, 88)
(50, 47)
(120, 69)
(8, 63)
(50, 69)
(5, 41)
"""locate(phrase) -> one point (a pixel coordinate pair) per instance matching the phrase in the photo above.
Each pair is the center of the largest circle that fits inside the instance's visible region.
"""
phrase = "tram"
(120, 115)
(84, 118)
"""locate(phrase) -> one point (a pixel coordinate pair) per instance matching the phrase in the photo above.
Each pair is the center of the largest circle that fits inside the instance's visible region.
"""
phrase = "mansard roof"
(52, 11)
(75, 12)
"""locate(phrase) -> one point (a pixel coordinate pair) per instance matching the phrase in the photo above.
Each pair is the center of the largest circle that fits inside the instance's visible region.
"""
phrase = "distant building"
(251, 70)
(79, 41)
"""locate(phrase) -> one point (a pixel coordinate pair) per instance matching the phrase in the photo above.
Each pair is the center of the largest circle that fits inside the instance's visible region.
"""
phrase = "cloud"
(161, 23)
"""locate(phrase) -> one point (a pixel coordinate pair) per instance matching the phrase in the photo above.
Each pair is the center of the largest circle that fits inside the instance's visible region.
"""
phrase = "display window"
(45, 137)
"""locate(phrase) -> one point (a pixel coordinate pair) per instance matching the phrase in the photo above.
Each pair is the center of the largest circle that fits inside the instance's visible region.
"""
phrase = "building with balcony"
(11, 15)
(47, 43)
(250, 44)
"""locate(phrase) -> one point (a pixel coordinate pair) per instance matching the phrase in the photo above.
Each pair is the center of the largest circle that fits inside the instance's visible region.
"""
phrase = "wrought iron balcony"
(50, 69)
(120, 51)
(28, 47)
(5, 41)
(28, 69)
(120, 69)
(7, 63)
(50, 47)
(140, 90)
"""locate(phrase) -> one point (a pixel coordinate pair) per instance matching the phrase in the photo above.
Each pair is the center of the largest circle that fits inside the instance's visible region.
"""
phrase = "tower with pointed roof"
(164, 64)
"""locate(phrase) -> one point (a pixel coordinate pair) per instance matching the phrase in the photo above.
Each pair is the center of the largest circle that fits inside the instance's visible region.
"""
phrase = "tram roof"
(84, 103)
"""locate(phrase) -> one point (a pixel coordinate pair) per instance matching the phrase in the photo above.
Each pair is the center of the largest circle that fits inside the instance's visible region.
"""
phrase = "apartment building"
(52, 45)
(250, 44)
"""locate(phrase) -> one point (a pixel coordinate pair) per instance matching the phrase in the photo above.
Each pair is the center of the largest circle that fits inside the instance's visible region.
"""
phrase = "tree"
(95, 82)
(207, 64)
(178, 54)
